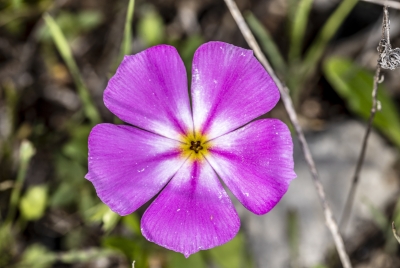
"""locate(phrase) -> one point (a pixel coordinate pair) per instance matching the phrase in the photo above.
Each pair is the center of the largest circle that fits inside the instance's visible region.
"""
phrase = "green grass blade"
(298, 28)
(127, 39)
(26, 152)
(267, 43)
(317, 48)
(59, 39)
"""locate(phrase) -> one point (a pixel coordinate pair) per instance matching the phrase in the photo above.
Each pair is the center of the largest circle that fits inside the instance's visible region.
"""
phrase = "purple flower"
(179, 150)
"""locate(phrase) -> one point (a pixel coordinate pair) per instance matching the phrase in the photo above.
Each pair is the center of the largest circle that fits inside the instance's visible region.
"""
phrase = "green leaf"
(75, 237)
(354, 84)
(127, 40)
(16, 4)
(64, 195)
(7, 244)
(232, 254)
(320, 266)
(134, 250)
(76, 256)
(77, 147)
(33, 203)
(62, 45)
(125, 245)
(267, 43)
(102, 213)
(132, 222)
(187, 49)
(110, 220)
(126, 43)
(318, 46)
(37, 256)
(177, 260)
(71, 170)
(151, 27)
(26, 152)
(87, 203)
(298, 27)
(72, 24)
(89, 19)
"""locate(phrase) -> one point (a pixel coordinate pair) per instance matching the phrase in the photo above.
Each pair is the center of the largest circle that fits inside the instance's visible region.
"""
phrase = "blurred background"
(56, 57)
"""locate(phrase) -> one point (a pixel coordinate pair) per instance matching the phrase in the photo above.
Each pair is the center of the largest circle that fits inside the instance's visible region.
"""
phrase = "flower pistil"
(195, 146)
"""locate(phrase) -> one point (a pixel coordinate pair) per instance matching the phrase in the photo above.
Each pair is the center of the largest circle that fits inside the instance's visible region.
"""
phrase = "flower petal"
(229, 88)
(149, 90)
(255, 162)
(128, 166)
(192, 213)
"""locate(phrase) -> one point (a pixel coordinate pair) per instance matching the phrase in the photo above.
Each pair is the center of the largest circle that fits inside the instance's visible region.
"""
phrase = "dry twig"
(382, 48)
(395, 232)
(389, 3)
(388, 58)
(287, 101)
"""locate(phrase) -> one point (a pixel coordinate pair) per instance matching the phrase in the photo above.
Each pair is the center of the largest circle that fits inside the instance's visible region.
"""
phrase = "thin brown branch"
(350, 197)
(388, 3)
(287, 101)
(386, 25)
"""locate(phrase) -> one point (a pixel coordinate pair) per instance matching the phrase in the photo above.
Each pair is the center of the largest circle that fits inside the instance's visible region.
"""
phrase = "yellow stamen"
(195, 147)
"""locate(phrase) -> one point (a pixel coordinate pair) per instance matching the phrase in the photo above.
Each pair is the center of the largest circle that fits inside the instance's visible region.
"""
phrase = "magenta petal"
(229, 88)
(128, 166)
(256, 163)
(192, 213)
(150, 91)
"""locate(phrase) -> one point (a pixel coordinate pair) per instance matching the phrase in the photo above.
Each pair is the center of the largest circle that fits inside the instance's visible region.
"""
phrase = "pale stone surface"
(335, 151)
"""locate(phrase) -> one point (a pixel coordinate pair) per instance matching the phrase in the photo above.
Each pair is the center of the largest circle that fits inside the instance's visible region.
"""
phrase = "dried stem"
(389, 3)
(386, 25)
(395, 233)
(350, 197)
(287, 101)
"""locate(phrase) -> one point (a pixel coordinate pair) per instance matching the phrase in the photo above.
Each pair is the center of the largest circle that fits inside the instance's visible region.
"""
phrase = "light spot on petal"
(196, 74)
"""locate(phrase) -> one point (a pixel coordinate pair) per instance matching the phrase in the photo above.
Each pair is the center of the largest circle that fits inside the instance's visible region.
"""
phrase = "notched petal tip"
(222, 45)
(192, 213)
(188, 253)
(149, 90)
(222, 74)
(153, 49)
(256, 163)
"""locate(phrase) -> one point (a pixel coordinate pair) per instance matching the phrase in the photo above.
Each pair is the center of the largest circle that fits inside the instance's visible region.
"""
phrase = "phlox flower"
(175, 149)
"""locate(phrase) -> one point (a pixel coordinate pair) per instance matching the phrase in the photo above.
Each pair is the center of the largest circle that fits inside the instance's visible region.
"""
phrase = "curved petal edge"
(192, 213)
(256, 163)
(150, 91)
(129, 166)
(229, 88)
